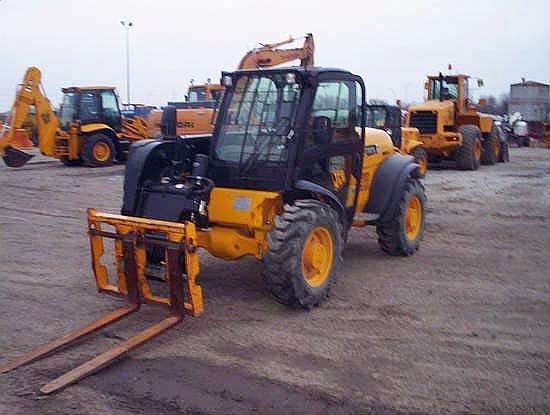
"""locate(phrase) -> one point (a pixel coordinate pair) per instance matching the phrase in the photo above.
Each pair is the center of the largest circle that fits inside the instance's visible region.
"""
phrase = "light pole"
(127, 26)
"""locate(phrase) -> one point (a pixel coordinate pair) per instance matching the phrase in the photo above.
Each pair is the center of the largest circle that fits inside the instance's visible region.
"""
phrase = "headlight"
(290, 78)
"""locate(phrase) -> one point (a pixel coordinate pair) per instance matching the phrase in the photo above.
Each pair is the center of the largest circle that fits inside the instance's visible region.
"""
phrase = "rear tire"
(469, 153)
(304, 255)
(402, 235)
(71, 162)
(421, 157)
(491, 148)
(98, 150)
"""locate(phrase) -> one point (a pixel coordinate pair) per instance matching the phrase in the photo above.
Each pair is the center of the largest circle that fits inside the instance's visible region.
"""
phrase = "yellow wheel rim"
(477, 149)
(317, 256)
(101, 151)
(413, 218)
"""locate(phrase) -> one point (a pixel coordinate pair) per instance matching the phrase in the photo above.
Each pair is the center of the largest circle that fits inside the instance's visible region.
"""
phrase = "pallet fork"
(131, 238)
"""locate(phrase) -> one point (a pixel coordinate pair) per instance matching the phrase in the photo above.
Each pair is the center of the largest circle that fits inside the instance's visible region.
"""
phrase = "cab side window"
(89, 107)
(111, 112)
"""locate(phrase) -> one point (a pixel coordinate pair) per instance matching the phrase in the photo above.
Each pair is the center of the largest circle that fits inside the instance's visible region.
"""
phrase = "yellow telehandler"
(90, 129)
(288, 171)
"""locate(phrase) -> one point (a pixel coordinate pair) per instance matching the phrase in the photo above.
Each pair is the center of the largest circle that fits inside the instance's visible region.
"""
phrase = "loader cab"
(450, 88)
(387, 118)
(280, 127)
(87, 105)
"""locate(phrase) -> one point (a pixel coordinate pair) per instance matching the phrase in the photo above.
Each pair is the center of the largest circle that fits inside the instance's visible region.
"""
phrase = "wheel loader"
(288, 171)
(406, 139)
(89, 130)
(451, 128)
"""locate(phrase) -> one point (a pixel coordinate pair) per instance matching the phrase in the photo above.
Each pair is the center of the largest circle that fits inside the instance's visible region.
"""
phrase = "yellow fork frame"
(130, 252)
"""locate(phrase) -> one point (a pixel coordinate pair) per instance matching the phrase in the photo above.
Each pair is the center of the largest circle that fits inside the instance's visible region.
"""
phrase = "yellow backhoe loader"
(288, 171)
(451, 127)
(195, 115)
(90, 129)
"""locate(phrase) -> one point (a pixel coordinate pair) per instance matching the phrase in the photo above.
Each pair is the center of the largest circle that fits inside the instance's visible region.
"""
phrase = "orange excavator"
(195, 115)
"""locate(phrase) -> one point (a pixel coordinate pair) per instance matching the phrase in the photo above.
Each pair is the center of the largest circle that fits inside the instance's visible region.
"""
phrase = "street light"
(127, 26)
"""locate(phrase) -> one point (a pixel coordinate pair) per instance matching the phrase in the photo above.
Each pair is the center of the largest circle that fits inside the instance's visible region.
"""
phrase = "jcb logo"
(185, 124)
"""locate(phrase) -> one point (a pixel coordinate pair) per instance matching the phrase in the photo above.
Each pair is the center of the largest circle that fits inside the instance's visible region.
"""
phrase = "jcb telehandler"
(289, 169)
(452, 128)
(406, 139)
(90, 129)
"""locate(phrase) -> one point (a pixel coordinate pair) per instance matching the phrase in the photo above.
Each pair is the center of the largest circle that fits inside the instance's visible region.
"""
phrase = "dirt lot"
(461, 327)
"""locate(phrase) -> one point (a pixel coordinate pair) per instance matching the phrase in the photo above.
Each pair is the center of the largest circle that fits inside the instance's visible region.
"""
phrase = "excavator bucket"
(132, 237)
(21, 140)
(14, 157)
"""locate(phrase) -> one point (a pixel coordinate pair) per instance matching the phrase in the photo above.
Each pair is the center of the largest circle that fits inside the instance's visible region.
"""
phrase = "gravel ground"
(461, 327)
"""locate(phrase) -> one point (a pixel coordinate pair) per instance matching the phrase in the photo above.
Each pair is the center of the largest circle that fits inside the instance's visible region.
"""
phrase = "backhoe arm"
(29, 93)
(269, 55)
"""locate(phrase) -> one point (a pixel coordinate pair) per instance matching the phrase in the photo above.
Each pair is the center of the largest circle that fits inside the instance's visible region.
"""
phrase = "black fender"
(388, 185)
(148, 158)
(307, 186)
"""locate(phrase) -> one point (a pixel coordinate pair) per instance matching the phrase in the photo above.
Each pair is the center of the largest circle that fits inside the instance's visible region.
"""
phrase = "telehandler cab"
(288, 170)
(406, 139)
(89, 130)
(452, 128)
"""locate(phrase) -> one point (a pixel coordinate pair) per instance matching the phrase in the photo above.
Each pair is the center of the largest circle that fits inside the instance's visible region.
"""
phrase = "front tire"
(402, 235)
(468, 155)
(304, 255)
(98, 150)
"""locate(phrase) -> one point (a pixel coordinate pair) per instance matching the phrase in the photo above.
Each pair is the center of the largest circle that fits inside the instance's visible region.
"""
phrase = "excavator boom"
(269, 55)
(29, 94)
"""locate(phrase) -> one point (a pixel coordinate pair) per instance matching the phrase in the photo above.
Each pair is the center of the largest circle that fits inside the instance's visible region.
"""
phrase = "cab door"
(110, 109)
(333, 144)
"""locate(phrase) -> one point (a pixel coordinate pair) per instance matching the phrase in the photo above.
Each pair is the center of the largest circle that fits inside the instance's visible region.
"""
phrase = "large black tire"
(284, 262)
(469, 153)
(91, 153)
(504, 154)
(399, 237)
(421, 157)
(72, 162)
(491, 148)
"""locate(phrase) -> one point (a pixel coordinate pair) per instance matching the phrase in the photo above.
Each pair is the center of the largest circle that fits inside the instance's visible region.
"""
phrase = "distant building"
(531, 99)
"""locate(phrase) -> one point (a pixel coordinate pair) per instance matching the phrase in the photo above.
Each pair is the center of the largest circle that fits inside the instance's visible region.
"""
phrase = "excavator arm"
(30, 93)
(269, 55)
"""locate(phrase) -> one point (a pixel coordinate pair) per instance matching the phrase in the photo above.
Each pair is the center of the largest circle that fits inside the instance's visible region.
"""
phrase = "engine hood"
(433, 105)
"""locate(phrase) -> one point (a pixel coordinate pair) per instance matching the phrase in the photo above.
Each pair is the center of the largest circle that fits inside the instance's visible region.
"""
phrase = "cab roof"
(88, 88)
(309, 70)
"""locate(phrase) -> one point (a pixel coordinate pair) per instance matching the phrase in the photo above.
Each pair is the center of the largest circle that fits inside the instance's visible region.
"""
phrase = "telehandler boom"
(90, 129)
(288, 171)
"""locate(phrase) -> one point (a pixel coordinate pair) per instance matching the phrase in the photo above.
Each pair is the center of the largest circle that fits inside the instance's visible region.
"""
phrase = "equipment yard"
(462, 326)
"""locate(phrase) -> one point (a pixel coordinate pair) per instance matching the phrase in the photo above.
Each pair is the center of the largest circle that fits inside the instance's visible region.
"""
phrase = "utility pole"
(127, 26)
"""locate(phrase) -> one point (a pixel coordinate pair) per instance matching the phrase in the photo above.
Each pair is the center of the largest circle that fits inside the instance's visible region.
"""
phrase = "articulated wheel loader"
(288, 171)
(451, 128)
(90, 129)
(406, 139)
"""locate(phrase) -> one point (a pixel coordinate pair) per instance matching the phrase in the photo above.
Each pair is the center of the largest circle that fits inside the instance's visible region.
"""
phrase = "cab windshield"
(68, 108)
(450, 84)
(197, 94)
(376, 116)
(257, 123)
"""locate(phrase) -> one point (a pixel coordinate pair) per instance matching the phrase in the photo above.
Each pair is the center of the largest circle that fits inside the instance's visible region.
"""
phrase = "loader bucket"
(131, 238)
(15, 158)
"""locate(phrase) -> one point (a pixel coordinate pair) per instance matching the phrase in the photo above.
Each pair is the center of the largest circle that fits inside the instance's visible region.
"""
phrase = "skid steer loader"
(288, 171)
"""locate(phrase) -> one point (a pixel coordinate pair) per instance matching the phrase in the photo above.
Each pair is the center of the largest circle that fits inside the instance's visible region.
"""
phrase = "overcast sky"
(392, 44)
